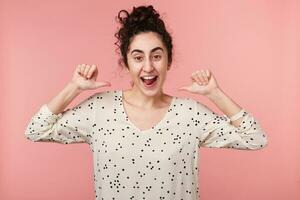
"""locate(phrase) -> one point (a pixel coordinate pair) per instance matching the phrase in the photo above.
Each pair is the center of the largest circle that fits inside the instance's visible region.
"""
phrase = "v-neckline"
(162, 120)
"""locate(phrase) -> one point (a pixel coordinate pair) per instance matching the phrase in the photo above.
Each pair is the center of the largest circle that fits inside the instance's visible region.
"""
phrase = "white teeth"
(148, 77)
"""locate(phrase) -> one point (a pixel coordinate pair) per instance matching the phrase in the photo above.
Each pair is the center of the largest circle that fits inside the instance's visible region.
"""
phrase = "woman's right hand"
(85, 77)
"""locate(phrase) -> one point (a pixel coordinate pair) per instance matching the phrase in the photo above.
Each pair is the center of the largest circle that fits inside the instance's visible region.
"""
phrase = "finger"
(184, 88)
(199, 77)
(102, 84)
(86, 70)
(82, 67)
(78, 68)
(207, 72)
(204, 76)
(91, 71)
(194, 78)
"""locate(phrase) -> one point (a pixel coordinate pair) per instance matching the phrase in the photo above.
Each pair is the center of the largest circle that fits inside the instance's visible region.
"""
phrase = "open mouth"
(149, 81)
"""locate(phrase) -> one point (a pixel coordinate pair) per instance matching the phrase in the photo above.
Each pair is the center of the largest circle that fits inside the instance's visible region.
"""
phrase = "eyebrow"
(152, 50)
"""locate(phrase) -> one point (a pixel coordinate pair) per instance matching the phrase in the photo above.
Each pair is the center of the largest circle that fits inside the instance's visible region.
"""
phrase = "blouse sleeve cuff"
(49, 114)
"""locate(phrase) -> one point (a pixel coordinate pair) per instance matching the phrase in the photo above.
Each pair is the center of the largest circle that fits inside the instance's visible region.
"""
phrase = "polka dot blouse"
(158, 163)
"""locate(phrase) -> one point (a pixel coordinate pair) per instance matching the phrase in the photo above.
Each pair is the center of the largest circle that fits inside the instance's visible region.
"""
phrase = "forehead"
(145, 42)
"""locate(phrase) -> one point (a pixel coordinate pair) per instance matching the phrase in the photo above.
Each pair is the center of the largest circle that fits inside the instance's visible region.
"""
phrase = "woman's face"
(147, 59)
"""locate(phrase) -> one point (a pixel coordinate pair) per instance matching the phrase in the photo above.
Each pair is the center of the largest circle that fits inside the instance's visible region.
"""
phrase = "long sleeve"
(215, 131)
(71, 126)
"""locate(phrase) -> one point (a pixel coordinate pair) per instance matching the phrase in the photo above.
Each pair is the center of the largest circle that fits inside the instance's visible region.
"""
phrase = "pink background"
(251, 46)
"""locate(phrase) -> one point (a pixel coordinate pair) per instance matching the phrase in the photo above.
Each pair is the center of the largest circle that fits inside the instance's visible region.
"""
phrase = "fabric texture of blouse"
(158, 163)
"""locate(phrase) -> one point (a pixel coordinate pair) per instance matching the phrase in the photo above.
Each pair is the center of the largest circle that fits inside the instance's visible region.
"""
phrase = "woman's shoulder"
(187, 102)
(103, 96)
(191, 103)
(106, 93)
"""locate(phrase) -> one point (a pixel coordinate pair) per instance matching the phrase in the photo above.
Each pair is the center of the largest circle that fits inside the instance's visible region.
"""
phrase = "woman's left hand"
(203, 82)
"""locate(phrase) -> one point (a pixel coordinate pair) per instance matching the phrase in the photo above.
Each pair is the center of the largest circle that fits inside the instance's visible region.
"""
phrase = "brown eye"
(138, 58)
(157, 57)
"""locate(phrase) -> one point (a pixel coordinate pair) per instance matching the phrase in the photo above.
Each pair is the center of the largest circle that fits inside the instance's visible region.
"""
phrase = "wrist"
(215, 94)
(74, 88)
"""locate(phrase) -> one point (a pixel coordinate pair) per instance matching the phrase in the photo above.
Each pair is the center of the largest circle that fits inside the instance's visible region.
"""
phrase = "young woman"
(145, 142)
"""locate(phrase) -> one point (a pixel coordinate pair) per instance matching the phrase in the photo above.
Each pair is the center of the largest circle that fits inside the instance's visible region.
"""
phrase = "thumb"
(102, 84)
(186, 88)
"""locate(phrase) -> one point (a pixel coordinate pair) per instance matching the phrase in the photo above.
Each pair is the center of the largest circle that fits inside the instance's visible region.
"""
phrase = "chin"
(151, 91)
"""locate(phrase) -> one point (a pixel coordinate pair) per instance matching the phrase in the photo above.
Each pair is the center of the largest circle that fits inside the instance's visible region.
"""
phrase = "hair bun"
(139, 15)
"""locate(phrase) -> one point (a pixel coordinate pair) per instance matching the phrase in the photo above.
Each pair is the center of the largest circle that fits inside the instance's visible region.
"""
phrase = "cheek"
(162, 66)
(134, 70)
(164, 63)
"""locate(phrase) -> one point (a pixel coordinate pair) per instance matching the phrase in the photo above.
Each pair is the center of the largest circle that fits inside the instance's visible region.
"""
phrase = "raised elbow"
(259, 144)
(264, 141)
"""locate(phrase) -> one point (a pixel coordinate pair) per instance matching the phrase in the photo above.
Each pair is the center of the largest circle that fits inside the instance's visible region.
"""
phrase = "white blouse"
(158, 163)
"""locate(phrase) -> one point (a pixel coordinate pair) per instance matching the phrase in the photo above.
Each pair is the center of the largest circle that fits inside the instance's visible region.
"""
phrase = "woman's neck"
(138, 99)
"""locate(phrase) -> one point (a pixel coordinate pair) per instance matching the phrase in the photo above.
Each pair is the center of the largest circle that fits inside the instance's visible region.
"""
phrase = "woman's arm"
(70, 126)
(215, 131)
(225, 104)
(64, 98)
(52, 124)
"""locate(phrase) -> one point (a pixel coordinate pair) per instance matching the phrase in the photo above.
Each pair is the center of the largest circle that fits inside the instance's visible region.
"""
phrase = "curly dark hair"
(141, 19)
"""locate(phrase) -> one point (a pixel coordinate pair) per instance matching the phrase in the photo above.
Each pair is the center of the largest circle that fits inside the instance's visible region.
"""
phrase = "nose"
(148, 66)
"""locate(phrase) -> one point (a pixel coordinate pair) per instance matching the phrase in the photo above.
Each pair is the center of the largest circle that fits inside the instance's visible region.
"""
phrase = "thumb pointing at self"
(101, 84)
(202, 83)
(187, 88)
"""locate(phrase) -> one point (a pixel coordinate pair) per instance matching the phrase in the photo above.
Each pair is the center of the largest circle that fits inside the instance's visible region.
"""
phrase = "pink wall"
(252, 47)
